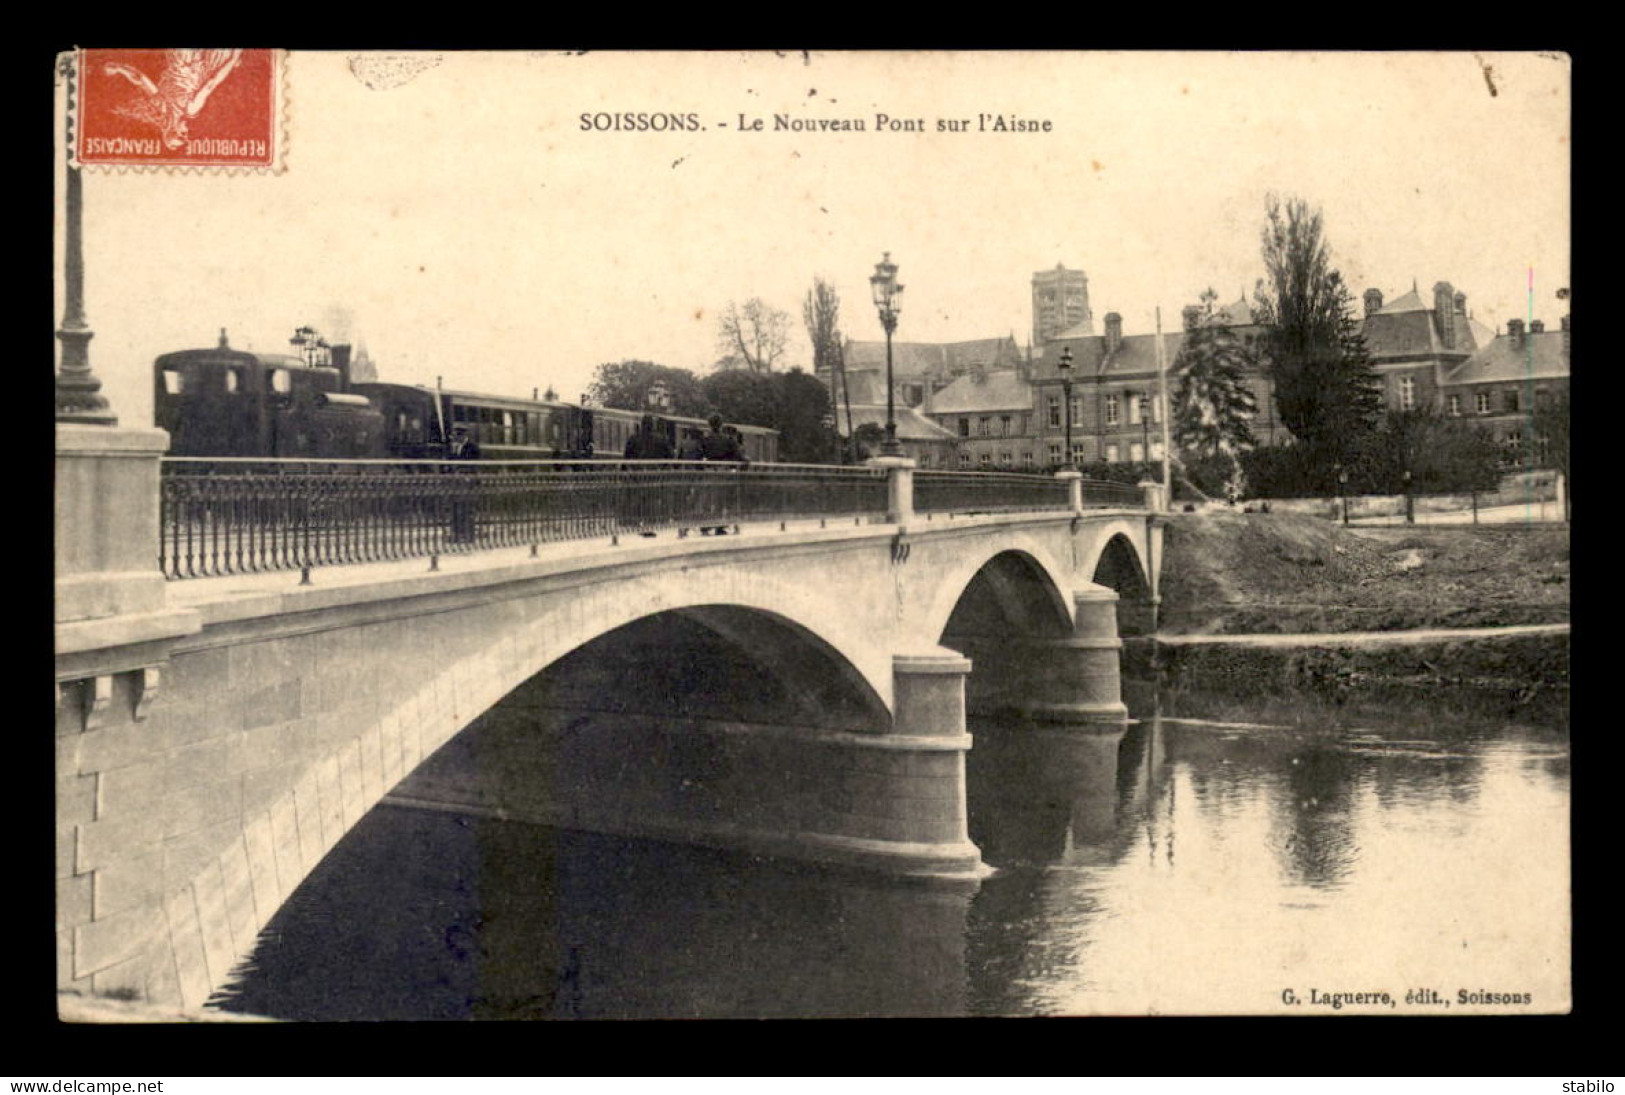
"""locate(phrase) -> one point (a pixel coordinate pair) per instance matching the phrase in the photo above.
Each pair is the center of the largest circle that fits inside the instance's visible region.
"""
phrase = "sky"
(452, 212)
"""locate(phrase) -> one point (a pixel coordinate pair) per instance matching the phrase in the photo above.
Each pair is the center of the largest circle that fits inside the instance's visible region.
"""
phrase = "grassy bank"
(1235, 573)
(1520, 678)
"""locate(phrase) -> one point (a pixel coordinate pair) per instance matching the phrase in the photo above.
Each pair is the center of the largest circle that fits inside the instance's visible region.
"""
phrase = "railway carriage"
(235, 403)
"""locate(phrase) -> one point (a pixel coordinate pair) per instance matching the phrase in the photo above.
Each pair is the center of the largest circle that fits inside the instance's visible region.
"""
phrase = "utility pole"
(1162, 398)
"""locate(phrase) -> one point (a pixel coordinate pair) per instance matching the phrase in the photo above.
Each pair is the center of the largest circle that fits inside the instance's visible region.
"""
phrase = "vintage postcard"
(522, 553)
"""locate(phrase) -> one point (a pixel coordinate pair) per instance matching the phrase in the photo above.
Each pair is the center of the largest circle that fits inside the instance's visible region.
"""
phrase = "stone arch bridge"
(797, 693)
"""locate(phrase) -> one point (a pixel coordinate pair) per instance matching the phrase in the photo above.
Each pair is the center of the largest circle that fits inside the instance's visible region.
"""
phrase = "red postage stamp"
(179, 108)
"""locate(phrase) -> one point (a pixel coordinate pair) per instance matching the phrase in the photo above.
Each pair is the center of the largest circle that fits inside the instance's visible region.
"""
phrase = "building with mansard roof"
(920, 368)
(1416, 340)
(1512, 376)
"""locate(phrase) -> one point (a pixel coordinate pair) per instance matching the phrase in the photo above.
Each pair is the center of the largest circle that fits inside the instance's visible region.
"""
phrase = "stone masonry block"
(205, 761)
(198, 806)
(372, 776)
(290, 869)
(188, 723)
(75, 800)
(64, 958)
(218, 952)
(73, 901)
(115, 747)
(101, 943)
(129, 976)
(186, 945)
(239, 886)
(273, 704)
(260, 847)
(308, 812)
(128, 884)
(67, 755)
(267, 747)
(200, 673)
(263, 786)
(102, 842)
(163, 979)
(350, 805)
(332, 801)
(188, 853)
(133, 790)
(67, 849)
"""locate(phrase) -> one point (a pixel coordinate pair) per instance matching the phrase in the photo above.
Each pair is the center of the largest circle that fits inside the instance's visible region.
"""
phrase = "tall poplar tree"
(1327, 392)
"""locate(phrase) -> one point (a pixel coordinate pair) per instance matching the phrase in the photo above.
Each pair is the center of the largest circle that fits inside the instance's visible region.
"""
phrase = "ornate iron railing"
(1005, 492)
(236, 516)
(245, 516)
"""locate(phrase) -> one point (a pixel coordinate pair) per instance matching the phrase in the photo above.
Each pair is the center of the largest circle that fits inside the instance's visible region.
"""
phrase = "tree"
(1213, 403)
(793, 403)
(1326, 390)
(755, 332)
(626, 384)
(821, 312)
(1443, 455)
(1552, 432)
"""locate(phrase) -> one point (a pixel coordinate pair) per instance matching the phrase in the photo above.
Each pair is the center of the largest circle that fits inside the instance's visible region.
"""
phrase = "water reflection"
(1172, 866)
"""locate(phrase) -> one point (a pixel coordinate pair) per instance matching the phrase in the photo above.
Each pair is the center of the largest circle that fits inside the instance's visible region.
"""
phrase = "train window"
(459, 413)
(281, 381)
(400, 422)
(231, 380)
(174, 382)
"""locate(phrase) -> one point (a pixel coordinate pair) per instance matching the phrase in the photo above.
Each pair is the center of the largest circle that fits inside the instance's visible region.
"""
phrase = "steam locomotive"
(226, 402)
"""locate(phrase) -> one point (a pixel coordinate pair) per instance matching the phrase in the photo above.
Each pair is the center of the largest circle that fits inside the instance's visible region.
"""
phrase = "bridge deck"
(243, 595)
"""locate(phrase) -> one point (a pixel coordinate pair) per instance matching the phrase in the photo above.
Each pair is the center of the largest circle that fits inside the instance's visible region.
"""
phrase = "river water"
(1183, 866)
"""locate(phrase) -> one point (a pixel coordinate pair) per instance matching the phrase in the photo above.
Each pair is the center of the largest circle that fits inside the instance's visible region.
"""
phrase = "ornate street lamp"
(883, 285)
(1064, 366)
(78, 390)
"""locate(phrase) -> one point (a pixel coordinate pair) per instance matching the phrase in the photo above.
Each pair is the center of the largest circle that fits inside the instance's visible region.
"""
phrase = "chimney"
(1565, 338)
(1515, 332)
(1538, 327)
(340, 356)
(1444, 312)
(224, 345)
(1373, 300)
(1114, 332)
(1461, 304)
(1193, 316)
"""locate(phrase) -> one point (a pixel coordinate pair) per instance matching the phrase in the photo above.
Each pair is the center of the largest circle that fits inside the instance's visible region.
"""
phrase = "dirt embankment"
(1234, 573)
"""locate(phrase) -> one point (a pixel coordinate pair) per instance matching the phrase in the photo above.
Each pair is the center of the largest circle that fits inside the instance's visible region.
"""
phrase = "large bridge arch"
(962, 570)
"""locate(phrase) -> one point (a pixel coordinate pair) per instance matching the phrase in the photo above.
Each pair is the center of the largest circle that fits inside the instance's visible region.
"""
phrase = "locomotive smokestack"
(340, 355)
(224, 345)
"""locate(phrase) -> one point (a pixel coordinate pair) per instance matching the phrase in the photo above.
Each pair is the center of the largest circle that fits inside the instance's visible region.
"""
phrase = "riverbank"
(1284, 573)
(1301, 613)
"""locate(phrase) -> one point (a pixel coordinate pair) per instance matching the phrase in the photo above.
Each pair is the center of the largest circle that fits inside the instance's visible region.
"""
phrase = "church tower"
(1060, 302)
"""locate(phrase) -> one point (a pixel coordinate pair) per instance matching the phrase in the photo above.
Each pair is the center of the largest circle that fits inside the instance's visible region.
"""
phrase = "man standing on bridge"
(719, 446)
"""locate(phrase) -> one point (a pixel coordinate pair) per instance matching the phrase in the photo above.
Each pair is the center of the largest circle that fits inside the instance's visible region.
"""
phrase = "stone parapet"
(107, 520)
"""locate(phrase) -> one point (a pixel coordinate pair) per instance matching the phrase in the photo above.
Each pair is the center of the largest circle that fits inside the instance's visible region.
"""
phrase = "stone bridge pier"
(798, 693)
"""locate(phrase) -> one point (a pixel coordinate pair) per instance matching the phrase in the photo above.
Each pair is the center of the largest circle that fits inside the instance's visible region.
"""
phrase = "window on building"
(925, 460)
(1136, 408)
(1136, 452)
(964, 427)
(964, 459)
(1509, 401)
(1027, 459)
(1054, 453)
(1407, 393)
(987, 459)
(1004, 425)
(1482, 403)
(1077, 409)
(982, 427)
(1514, 443)
(1453, 404)
(1054, 411)
(1111, 454)
(1006, 460)
(1077, 452)
(1112, 410)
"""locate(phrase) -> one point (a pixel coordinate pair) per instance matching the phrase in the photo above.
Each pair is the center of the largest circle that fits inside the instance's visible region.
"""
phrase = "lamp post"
(833, 440)
(1410, 510)
(1064, 367)
(78, 390)
(883, 285)
(1343, 492)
